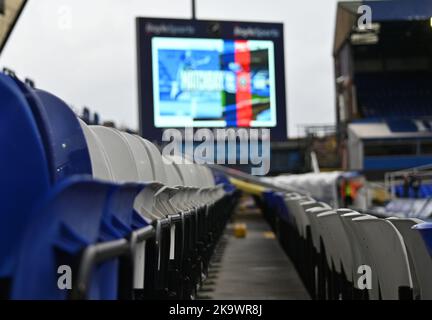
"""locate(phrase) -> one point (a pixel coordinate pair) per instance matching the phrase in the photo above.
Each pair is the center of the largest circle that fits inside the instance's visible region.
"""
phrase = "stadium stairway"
(254, 267)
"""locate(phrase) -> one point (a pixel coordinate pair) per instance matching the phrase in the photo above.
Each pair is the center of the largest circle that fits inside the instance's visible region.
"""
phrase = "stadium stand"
(395, 96)
(102, 202)
(133, 225)
(330, 249)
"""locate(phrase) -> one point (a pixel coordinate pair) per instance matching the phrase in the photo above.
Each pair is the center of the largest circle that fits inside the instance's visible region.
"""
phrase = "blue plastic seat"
(67, 221)
(120, 214)
(282, 209)
(23, 170)
(119, 220)
(63, 138)
(425, 230)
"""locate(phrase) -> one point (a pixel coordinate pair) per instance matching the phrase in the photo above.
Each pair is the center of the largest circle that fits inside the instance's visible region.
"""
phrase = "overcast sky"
(84, 51)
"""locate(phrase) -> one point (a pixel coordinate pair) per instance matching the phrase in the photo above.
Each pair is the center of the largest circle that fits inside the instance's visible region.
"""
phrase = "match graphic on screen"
(213, 83)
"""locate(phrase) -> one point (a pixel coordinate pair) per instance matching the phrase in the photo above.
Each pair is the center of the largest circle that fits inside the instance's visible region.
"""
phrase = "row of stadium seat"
(127, 222)
(425, 191)
(394, 95)
(329, 248)
(408, 208)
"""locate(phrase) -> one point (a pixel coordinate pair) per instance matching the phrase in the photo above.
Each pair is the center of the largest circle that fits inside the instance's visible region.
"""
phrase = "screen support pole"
(193, 10)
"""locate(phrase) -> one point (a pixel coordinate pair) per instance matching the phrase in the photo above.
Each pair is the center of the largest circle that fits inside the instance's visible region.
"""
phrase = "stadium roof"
(385, 10)
(10, 11)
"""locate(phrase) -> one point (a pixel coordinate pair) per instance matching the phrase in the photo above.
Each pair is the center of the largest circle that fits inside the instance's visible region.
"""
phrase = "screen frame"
(148, 28)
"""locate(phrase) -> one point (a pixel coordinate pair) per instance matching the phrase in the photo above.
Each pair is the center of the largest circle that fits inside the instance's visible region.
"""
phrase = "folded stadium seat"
(141, 157)
(212, 196)
(66, 152)
(272, 205)
(121, 221)
(181, 202)
(199, 201)
(194, 211)
(102, 170)
(25, 179)
(159, 199)
(336, 242)
(420, 260)
(157, 165)
(99, 160)
(300, 221)
(120, 156)
(307, 241)
(63, 228)
(389, 255)
(124, 169)
(285, 211)
(318, 268)
(64, 139)
(128, 158)
(276, 214)
(360, 254)
(175, 207)
(145, 204)
(217, 210)
(178, 200)
(292, 202)
(270, 208)
(283, 222)
(329, 257)
(167, 180)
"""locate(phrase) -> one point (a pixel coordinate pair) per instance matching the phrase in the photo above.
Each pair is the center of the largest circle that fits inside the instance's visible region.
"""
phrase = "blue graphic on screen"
(213, 83)
(173, 99)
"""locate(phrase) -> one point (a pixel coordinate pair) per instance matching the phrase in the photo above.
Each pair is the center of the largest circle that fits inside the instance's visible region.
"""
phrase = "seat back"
(208, 176)
(120, 156)
(340, 244)
(142, 159)
(316, 232)
(389, 255)
(62, 137)
(156, 161)
(420, 260)
(359, 249)
(304, 222)
(297, 213)
(24, 170)
(65, 143)
(172, 173)
(63, 225)
(185, 169)
(101, 166)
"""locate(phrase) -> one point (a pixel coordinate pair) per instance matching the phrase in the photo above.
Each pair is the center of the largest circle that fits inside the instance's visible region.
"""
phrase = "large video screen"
(213, 83)
(210, 74)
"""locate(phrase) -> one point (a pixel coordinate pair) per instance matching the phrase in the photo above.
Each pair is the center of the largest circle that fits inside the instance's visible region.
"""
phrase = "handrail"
(100, 252)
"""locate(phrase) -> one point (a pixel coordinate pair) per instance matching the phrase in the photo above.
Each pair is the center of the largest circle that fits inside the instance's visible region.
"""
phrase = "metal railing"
(393, 179)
